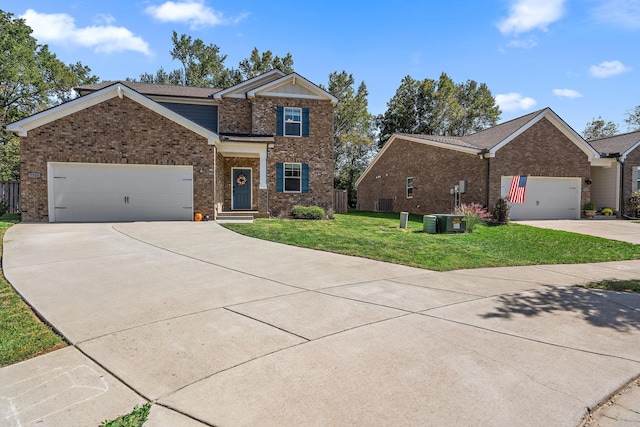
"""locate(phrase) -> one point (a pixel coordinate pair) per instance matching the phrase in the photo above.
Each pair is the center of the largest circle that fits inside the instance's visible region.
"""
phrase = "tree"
(633, 119)
(353, 132)
(598, 129)
(438, 108)
(31, 79)
(203, 65)
(258, 64)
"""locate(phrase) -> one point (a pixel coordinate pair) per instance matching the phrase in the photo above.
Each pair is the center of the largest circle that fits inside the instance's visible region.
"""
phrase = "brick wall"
(235, 116)
(115, 131)
(316, 150)
(434, 171)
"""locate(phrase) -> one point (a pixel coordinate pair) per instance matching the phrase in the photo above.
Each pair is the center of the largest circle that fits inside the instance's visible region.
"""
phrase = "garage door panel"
(85, 192)
(546, 198)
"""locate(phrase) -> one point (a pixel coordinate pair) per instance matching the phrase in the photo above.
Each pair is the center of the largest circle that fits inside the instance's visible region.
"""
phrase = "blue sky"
(579, 57)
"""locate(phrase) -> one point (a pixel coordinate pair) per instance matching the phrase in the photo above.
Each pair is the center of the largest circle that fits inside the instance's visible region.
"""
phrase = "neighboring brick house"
(127, 151)
(419, 173)
(623, 153)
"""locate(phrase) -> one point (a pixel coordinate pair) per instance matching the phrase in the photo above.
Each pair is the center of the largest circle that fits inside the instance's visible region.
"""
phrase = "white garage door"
(95, 192)
(546, 198)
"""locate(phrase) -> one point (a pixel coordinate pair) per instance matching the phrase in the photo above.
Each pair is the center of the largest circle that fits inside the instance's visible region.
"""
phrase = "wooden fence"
(340, 201)
(10, 195)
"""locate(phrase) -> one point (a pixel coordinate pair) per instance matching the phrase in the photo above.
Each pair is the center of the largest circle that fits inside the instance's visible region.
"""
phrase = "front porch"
(241, 181)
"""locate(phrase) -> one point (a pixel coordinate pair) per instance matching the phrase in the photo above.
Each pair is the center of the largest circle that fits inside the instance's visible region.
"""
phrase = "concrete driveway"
(220, 329)
(614, 229)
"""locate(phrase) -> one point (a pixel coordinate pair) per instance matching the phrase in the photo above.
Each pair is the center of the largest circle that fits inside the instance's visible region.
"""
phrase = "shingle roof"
(484, 139)
(451, 140)
(492, 136)
(616, 144)
(154, 89)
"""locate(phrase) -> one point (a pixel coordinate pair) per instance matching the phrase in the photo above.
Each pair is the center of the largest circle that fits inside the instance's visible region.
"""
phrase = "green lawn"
(22, 334)
(378, 236)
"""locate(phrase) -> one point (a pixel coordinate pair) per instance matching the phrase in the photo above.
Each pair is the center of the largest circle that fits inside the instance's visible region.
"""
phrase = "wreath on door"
(241, 179)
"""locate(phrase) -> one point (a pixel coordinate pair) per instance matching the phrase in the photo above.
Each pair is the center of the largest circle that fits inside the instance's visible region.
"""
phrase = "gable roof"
(487, 142)
(622, 144)
(152, 89)
(276, 83)
(22, 127)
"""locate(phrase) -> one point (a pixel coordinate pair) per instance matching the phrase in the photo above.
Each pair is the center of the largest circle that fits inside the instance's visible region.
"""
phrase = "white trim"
(22, 127)
(294, 78)
(249, 183)
(407, 196)
(624, 155)
(180, 100)
(284, 177)
(394, 137)
(239, 90)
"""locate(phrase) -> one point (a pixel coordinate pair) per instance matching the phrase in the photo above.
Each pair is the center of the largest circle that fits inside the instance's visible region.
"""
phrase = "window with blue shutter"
(279, 120)
(305, 177)
(292, 177)
(292, 121)
(305, 122)
(279, 177)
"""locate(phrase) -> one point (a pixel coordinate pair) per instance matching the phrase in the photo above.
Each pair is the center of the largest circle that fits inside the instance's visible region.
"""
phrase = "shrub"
(632, 207)
(501, 211)
(589, 206)
(307, 212)
(4, 207)
(476, 214)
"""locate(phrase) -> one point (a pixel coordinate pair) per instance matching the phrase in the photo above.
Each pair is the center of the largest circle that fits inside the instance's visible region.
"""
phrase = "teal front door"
(241, 197)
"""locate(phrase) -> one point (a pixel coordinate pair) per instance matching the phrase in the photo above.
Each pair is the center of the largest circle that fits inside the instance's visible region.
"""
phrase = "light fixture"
(201, 170)
(587, 181)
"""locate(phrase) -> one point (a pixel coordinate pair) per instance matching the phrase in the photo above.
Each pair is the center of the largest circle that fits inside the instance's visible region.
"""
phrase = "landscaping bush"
(307, 212)
(475, 213)
(4, 207)
(632, 207)
(501, 211)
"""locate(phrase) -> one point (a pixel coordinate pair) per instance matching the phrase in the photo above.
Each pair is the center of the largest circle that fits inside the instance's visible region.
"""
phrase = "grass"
(616, 285)
(378, 236)
(22, 334)
(135, 418)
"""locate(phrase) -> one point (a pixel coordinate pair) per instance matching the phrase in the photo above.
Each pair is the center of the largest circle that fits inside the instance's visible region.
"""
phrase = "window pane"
(292, 184)
(292, 129)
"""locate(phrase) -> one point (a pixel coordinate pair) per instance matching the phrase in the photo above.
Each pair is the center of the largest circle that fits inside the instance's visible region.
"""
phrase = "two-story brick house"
(126, 151)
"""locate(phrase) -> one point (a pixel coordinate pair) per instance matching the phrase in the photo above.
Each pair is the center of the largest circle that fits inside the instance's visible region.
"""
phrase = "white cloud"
(61, 28)
(607, 69)
(528, 43)
(514, 101)
(567, 93)
(527, 15)
(618, 12)
(193, 12)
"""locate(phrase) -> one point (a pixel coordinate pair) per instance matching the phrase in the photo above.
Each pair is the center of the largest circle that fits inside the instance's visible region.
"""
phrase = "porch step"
(234, 219)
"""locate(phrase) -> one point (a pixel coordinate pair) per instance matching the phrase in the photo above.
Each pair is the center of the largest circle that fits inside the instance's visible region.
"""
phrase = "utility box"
(429, 224)
(404, 218)
(451, 223)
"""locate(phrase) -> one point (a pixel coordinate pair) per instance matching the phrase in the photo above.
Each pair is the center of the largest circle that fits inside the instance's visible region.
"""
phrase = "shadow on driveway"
(604, 309)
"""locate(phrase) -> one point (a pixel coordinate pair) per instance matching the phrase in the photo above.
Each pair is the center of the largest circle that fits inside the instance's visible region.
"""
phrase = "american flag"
(517, 189)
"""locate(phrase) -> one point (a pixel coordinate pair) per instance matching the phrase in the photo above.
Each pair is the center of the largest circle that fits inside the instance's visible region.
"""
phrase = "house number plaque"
(33, 175)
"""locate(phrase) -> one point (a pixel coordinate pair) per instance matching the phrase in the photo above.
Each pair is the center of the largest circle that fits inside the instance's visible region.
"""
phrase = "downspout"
(621, 201)
(485, 155)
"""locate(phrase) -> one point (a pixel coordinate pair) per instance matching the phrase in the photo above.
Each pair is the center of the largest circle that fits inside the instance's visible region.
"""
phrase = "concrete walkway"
(220, 329)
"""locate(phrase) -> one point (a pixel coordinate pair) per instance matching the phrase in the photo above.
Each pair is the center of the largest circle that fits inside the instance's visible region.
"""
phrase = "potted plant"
(607, 211)
(589, 210)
